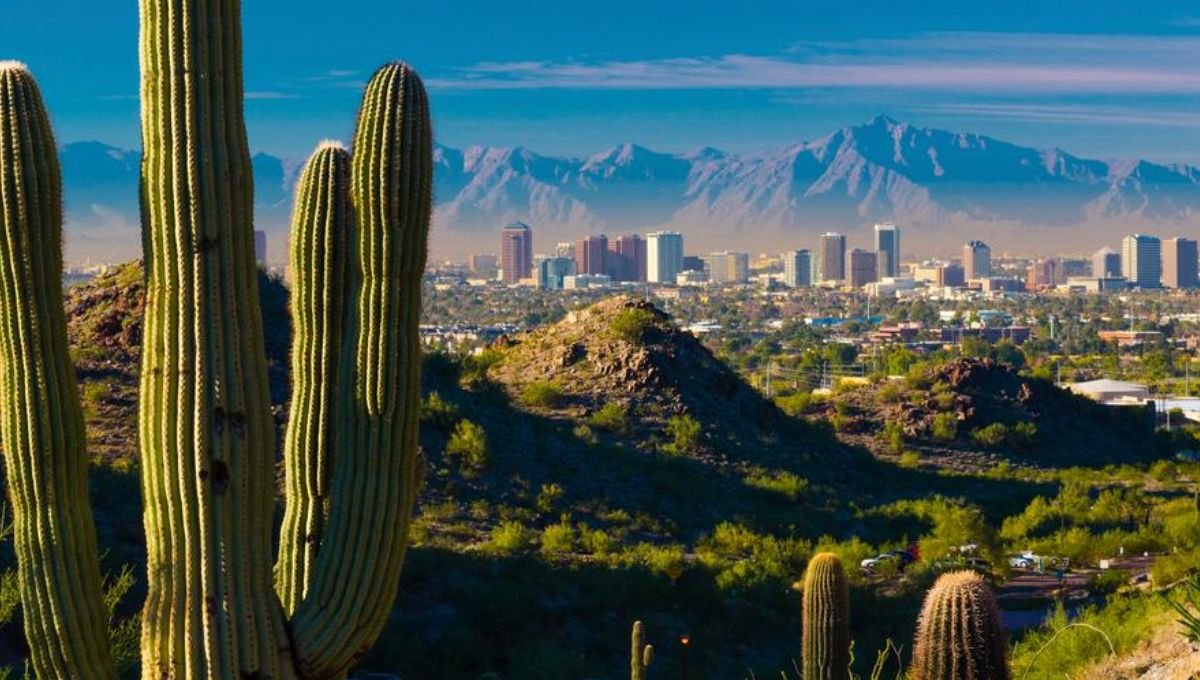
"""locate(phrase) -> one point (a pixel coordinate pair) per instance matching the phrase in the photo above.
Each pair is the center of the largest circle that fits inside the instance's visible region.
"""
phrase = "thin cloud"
(268, 95)
(964, 62)
(1069, 114)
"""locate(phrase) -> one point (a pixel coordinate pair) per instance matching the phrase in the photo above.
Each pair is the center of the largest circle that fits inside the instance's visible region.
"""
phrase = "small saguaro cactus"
(41, 421)
(959, 634)
(826, 620)
(641, 655)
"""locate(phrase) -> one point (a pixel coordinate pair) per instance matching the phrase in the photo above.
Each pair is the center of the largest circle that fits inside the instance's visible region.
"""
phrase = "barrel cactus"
(826, 620)
(641, 655)
(213, 608)
(959, 634)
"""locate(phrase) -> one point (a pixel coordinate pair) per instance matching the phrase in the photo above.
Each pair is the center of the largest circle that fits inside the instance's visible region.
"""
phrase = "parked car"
(1021, 562)
(902, 558)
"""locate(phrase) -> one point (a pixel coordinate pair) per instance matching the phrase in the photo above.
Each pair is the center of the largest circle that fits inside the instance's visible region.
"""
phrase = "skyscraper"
(831, 257)
(860, 267)
(664, 256)
(1141, 260)
(589, 254)
(628, 256)
(977, 260)
(797, 268)
(729, 267)
(887, 250)
(1106, 264)
(1179, 263)
(552, 271)
(516, 252)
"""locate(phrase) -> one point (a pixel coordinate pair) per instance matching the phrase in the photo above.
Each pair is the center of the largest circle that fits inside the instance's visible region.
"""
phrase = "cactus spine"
(826, 620)
(321, 235)
(641, 655)
(959, 635)
(378, 466)
(41, 423)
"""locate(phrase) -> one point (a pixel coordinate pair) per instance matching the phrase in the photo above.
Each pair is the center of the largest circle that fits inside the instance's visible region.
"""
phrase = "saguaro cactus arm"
(378, 466)
(41, 422)
(321, 235)
(205, 429)
(826, 620)
(641, 655)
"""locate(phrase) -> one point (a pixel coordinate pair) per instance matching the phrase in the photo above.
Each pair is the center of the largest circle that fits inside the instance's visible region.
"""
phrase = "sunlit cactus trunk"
(378, 468)
(641, 655)
(959, 634)
(41, 422)
(826, 620)
(320, 242)
(205, 428)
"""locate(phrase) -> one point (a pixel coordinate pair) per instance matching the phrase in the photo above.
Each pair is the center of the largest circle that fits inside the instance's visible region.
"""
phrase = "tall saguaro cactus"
(826, 620)
(321, 235)
(41, 422)
(959, 634)
(641, 655)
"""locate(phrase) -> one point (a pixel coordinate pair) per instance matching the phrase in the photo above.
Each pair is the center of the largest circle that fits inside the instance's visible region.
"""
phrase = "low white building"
(1112, 391)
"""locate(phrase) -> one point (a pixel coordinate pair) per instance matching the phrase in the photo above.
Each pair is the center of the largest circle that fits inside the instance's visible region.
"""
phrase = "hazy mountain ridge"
(926, 179)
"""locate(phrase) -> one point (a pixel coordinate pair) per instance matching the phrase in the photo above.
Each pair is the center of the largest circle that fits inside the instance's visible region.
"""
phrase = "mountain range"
(941, 187)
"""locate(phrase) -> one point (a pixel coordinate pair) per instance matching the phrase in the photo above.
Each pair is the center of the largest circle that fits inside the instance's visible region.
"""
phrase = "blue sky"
(1102, 78)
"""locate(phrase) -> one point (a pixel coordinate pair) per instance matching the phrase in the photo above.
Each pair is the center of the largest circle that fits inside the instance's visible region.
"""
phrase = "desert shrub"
(475, 367)
(438, 412)
(910, 459)
(631, 325)
(891, 393)
(541, 393)
(684, 432)
(558, 539)
(596, 541)
(612, 417)
(548, 497)
(508, 537)
(784, 483)
(796, 404)
(991, 436)
(468, 443)
(585, 434)
(945, 427)
(892, 436)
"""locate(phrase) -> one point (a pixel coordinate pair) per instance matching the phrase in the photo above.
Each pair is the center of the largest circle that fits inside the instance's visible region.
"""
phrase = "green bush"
(891, 393)
(548, 497)
(945, 427)
(787, 484)
(542, 394)
(508, 537)
(684, 432)
(468, 443)
(558, 539)
(997, 435)
(438, 412)
(631, 325)
(892, 436)
(796, 404)
(612, 417)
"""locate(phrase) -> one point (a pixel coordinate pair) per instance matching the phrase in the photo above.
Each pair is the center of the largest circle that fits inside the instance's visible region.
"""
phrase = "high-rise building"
(1106, 264)
(1045, 273)
(831, 257)
(1141, 260)
(483, 265)
(564, 249)
(516, 253)
(887, 250)
(627, 258)
(977, 260)
(693, 263)
(589, 254)
(260, 246)
(664, 256)
(860, 267)
(797, 268)
(553, 270)
(1179, 263)
(729, 267)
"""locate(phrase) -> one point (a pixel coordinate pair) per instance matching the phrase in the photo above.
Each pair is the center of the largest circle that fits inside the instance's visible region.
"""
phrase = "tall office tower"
(589, 254)
(977, 260)
(1106, 264)
(260, 246)
(1141, 260)
(797, 268)
(729, 267)
(1045, 273)
(887, 250)
(483, 265)
(628, 258)
(516, 252)
(1179, 263)
(553, 270)
(860, 267)
(831, 257)
(664, 256)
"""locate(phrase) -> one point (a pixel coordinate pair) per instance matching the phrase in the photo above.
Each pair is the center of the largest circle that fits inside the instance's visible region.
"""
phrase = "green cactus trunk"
(641, 655)
(826, 620)
(41, 422)
(205, 427)
(959, 634)
(378, 468)
(321, 236)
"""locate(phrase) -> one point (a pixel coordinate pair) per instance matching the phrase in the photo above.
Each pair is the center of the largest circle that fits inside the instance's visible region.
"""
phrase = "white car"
(1021, 562)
